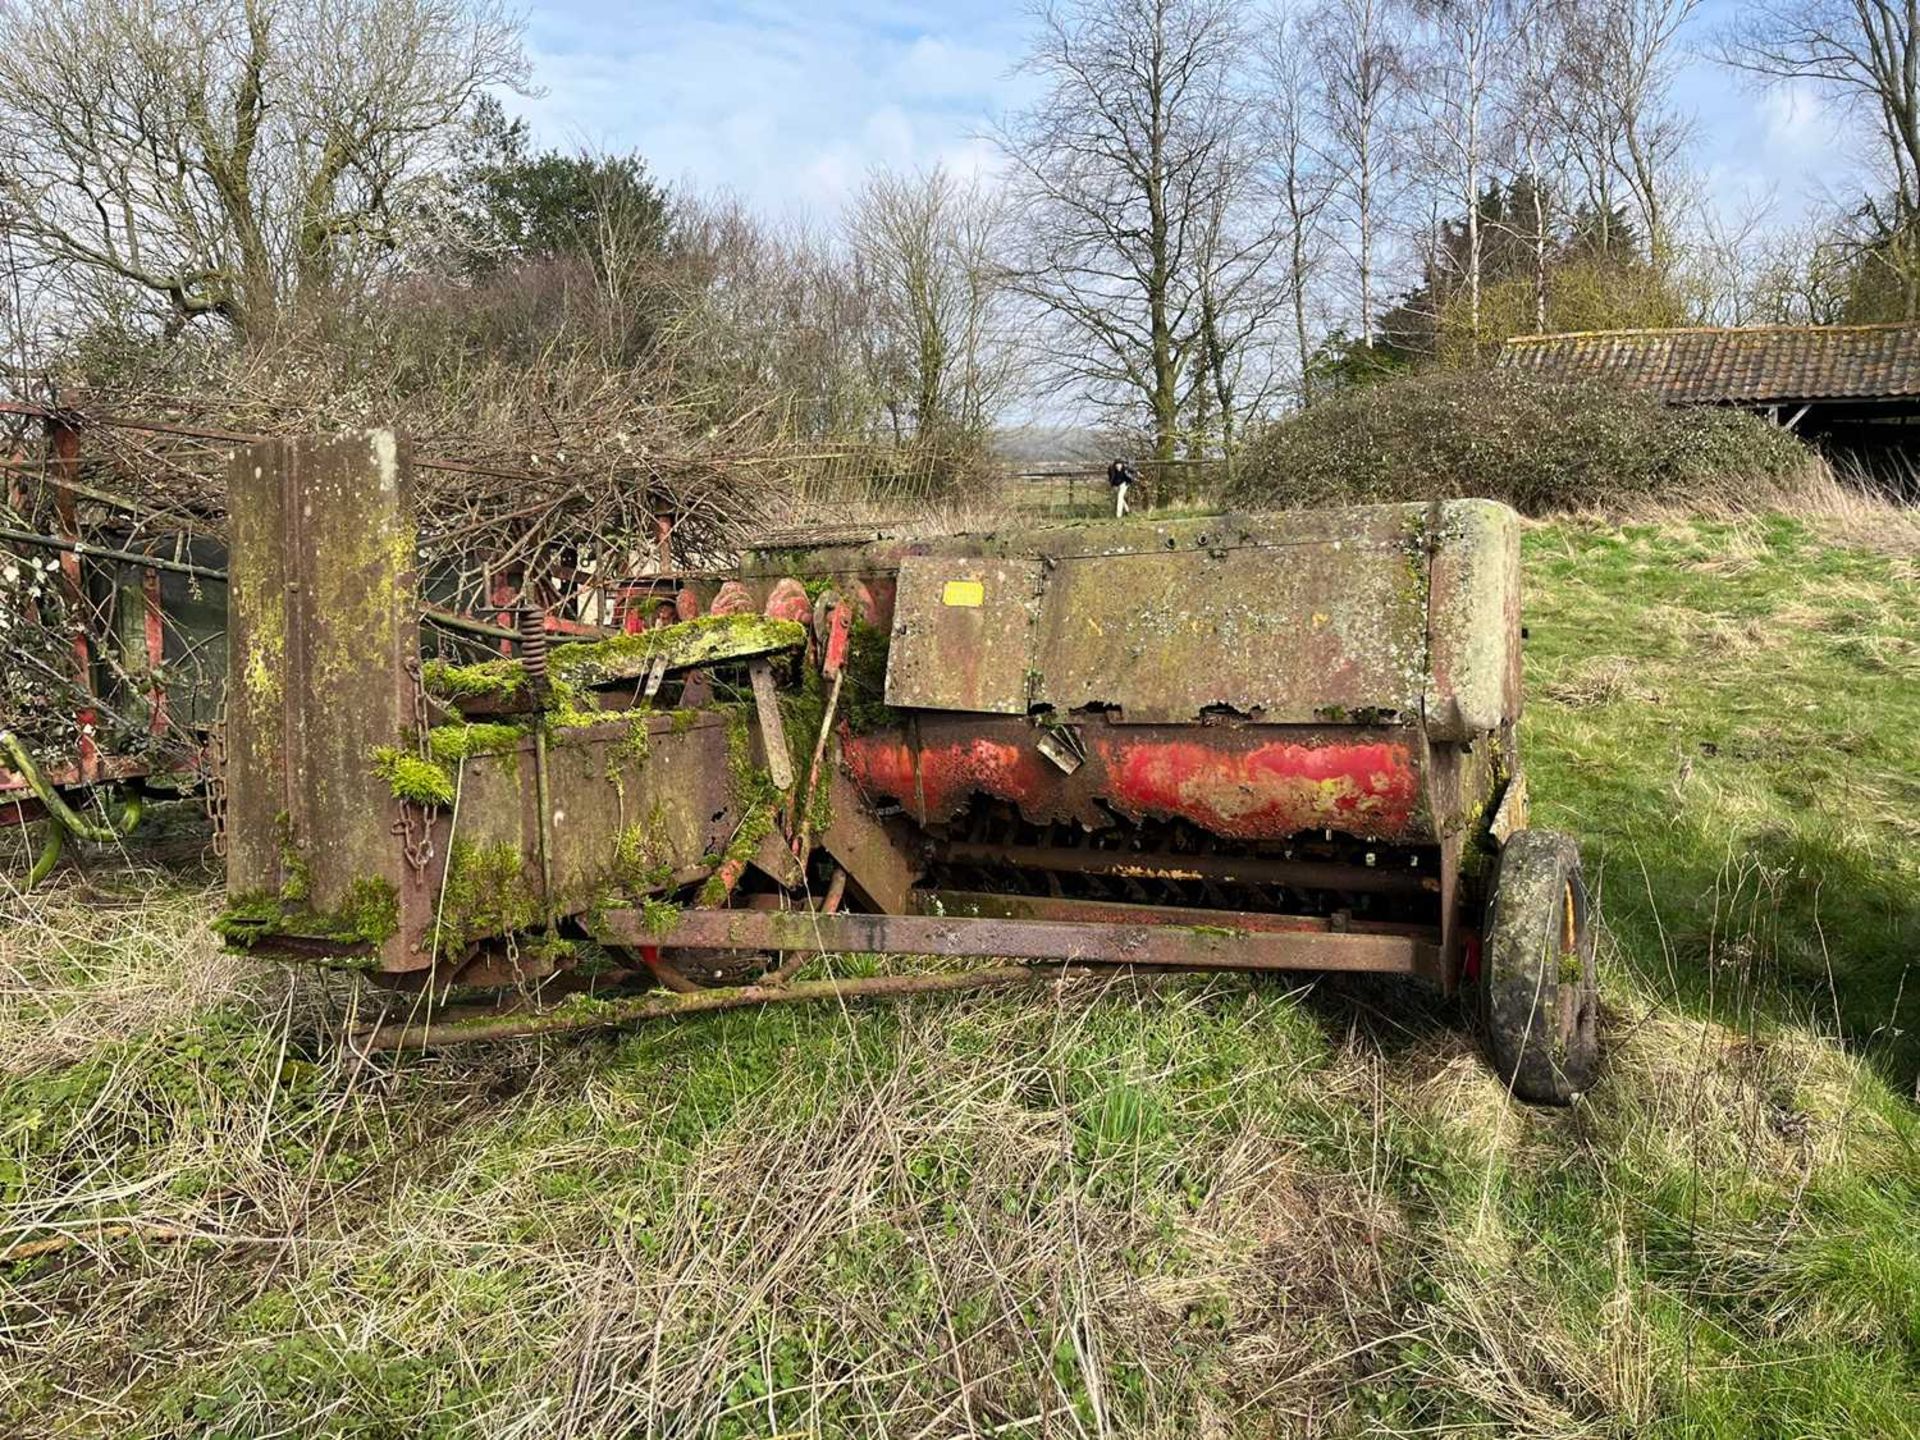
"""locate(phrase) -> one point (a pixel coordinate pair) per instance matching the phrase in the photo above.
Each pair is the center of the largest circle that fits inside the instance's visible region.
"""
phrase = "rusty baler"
(1240, 743)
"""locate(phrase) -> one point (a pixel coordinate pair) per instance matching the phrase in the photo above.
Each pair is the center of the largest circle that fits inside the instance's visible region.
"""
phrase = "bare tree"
(1453, 73)
(1357, 52)
(1234, 304)
(1866, 53)
(768, 330)
(1619, 78)
(1138, 112)
(928, 246)
(229, 157)
(1532, 79)
(1299, 178)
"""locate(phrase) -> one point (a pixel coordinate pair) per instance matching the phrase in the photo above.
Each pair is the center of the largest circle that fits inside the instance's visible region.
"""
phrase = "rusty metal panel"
(963, 634)
(879, 856)
(1372, 613)
(1473, 668)
(257, 486)
(618, 812)
(322, 626)
(1281, 628)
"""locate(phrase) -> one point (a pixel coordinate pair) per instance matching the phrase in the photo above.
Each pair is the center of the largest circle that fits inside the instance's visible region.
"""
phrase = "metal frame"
(1081, 942)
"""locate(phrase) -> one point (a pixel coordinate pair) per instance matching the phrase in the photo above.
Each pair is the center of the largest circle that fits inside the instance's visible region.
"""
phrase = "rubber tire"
(1539, 1003)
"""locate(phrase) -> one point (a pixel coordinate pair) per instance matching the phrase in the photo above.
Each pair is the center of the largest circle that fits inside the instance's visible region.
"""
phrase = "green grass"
(1189, 1207)
(1728, 715)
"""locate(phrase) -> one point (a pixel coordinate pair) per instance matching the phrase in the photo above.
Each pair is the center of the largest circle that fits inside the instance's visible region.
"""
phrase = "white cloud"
(1796, 116)
(787, 105)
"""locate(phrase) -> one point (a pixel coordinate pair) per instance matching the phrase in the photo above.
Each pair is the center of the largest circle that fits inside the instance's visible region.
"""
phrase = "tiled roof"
(1759, 364)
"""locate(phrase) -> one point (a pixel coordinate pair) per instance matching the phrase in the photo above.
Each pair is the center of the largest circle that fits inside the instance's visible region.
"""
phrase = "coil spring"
(533, 647)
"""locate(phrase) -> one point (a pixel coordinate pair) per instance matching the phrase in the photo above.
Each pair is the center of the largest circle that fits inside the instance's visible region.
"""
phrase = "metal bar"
(63, 441)
(1250, 869)
(1096, 944)
(973, 904)
(100, 552)
(153, 628)
(773, 731)
(462, 1026)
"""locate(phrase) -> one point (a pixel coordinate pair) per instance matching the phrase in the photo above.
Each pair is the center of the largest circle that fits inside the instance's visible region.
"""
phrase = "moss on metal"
(296, 880)
(485, 680)
(705, 640)
(638, 866)
(418, 781)
(450, 744)
(573, 668)
(266, 656)
(487, 892)
(659, 916)
(554, 951)
(864, 691)
(634, 748)
(368, 915)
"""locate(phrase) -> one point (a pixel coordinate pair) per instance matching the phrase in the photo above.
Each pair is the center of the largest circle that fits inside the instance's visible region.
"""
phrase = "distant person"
(1121, 474)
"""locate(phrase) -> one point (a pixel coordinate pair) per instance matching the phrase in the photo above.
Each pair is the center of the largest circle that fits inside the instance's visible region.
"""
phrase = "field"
(1183, 1207)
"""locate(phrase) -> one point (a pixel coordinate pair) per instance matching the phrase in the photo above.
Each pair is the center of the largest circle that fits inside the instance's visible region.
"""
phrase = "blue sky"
(787, 103)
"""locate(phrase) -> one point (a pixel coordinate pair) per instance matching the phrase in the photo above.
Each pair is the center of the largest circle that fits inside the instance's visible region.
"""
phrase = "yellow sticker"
(963, 592)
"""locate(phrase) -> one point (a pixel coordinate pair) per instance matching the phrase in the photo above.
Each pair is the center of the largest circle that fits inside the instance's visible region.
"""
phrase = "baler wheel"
(1539, 1005)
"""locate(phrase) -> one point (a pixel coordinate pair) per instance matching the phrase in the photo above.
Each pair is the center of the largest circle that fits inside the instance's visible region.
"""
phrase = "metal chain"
(419, 684)
(214, 798)
(417, 843)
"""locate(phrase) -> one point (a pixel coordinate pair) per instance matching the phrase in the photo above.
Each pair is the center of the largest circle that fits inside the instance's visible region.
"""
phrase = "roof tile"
(1758, 364)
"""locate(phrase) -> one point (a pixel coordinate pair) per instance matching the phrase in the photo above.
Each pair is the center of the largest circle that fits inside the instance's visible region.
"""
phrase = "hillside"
(1178, 1207)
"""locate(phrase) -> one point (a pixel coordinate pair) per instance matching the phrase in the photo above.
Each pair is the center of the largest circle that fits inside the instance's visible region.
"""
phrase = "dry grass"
(73, 975)
(1603, 680)
(1168, 1209)
(1188, 1207)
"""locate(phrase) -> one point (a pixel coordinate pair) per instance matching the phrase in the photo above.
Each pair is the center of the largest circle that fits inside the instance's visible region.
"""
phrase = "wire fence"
(1077, 491)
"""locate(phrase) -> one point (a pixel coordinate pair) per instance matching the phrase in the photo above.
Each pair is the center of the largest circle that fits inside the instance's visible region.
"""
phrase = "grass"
(1728, 714)
(1191, 1207)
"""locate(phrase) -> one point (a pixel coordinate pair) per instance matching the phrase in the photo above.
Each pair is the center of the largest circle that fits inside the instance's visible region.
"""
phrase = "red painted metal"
(1279, 788)
(788, 601)
(936, 780)
(18, 809)
(839, 636)
(504, 594)
(733, 599)
(156, 640)
(1240, 783)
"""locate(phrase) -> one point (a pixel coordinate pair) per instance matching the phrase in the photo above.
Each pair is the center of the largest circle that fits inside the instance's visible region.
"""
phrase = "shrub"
(1537, 445)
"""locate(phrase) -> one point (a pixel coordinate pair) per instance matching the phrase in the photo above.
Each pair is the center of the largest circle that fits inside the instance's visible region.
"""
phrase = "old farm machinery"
(1280, 743)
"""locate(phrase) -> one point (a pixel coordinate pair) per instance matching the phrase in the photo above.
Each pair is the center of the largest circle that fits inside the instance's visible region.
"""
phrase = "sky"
(787, 103)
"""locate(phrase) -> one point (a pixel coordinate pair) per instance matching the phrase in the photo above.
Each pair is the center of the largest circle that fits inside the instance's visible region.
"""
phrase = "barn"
(1853, 390)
